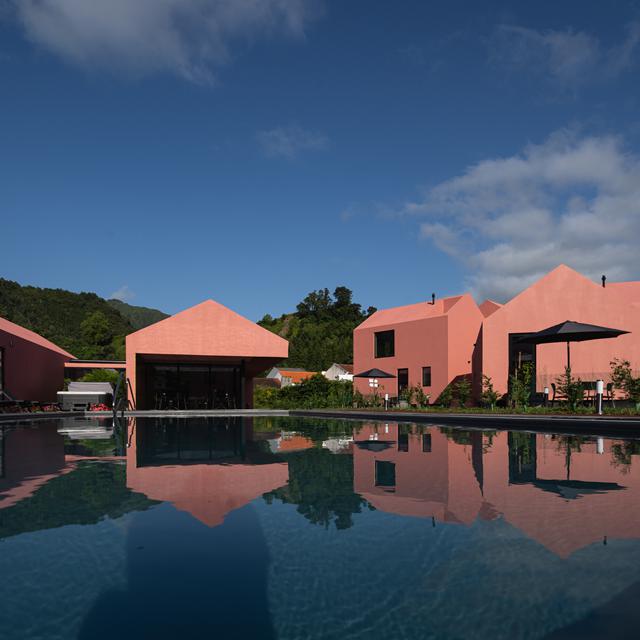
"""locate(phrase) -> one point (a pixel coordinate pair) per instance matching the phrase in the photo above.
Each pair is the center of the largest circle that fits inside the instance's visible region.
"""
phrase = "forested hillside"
(320, 331)
(84, 324)
(138, 317)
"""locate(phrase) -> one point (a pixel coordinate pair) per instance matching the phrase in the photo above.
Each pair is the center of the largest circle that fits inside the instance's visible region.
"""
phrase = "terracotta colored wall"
(564, 295)
(439, 484)
(444, 342)
(207, 491)
(561, 525)
(444, 485)
(465, 320)
(31, 372)
(418, 344)
(207, 333)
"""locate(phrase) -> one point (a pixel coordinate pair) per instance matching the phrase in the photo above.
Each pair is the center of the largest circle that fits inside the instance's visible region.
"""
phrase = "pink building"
(31, 367)
(428, 344)
(432, 344)
(202, 358)
(563, 294)
(565, 500)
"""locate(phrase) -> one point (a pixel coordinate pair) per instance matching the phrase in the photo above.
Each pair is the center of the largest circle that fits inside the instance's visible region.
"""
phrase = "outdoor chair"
(556, 394)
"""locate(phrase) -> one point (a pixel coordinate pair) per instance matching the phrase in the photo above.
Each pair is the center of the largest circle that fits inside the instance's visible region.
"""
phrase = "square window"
(385, 344)
(426, 376)
(385, 474)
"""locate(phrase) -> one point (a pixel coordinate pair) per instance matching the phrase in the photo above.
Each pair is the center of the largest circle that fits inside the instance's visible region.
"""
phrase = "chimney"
(433, 298)
(604, 280)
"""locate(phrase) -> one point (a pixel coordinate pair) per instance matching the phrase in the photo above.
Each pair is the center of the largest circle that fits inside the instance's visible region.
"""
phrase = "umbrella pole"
(569, 355)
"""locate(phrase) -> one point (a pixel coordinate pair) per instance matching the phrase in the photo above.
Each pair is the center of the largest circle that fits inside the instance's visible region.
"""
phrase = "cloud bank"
(290, 141)
(510, 220)
(570, 58)
(188, 38)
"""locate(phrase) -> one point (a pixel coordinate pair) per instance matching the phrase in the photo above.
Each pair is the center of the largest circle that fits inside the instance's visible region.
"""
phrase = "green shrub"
(489, 396)
(101, 375)
(314, 393)
(446, 397)
(572, 388)
(623, 380)
(462, 391)
(520, 386)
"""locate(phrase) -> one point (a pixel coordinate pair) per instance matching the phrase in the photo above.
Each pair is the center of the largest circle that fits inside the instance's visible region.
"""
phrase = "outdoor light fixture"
(599, 393)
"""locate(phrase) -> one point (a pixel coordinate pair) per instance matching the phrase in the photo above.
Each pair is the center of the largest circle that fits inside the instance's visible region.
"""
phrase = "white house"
(339, 372)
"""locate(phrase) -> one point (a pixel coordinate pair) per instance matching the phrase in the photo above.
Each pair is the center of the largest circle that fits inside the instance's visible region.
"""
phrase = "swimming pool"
(314, 528)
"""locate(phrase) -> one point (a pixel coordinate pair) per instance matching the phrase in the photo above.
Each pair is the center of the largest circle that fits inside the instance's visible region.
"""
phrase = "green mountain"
(84, 324)
(320, 332)
(138, 317)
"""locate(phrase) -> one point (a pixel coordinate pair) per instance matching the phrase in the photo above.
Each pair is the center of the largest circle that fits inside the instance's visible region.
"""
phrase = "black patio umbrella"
(570, 331)
(374, 373)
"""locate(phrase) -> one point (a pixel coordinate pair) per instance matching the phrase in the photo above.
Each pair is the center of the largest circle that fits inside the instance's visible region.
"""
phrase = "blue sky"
(175, 150)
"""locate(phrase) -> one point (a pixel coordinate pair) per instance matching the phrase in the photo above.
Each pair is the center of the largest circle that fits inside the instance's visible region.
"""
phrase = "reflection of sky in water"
(520, 555)
(50, 578)
(391, 577)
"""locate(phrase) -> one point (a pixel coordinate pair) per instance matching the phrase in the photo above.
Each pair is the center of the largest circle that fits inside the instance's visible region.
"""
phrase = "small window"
(426, 376)
(426, 443)
(403, 442)
(385, 344)
(385, 474)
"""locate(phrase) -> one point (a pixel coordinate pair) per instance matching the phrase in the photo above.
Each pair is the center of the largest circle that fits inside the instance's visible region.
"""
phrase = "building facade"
(563, 294)
(427, 344)
(31, 367)
(339, 372)
(202, 358)
(433, 344)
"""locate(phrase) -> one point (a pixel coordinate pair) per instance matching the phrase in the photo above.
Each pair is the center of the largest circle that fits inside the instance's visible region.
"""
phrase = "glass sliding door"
(195, 386)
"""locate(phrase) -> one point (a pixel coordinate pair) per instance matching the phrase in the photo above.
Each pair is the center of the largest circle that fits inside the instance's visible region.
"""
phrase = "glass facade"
(193, 386)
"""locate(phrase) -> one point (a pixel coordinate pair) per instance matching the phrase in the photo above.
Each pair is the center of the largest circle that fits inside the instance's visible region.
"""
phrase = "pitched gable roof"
(31, 336)
(411, 312)
(488, 307)
(208, 329)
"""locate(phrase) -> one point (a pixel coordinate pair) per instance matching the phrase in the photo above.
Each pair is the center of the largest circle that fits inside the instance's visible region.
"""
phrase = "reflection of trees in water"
(321, 484)
(621, 453)
(467, 437)
(88, 494)
(315, 429)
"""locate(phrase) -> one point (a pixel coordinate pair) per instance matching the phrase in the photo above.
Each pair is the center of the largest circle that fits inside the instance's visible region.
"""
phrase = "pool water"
(296, 528)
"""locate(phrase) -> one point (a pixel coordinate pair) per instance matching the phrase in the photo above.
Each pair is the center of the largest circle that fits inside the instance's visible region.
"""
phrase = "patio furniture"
(556, 394)
(570, 331)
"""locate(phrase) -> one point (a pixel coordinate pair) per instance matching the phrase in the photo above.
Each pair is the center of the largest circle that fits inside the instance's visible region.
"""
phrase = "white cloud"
(189, 38)
(290, 141)
(510, 220)
(571, 58)
(124, 294)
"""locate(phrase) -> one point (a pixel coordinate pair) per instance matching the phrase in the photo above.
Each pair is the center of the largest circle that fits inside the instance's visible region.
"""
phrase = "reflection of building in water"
(289, 441)
(338, 445)
(205, 467)
(564, 493)
(30, 458)
(415, 474)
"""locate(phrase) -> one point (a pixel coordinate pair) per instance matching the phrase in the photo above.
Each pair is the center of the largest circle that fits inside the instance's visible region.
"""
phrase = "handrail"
(132, 397)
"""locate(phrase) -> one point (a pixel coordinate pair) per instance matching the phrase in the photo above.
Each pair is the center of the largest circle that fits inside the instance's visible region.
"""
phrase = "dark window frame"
(426, 370)
(378, 335)
(383, 470)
